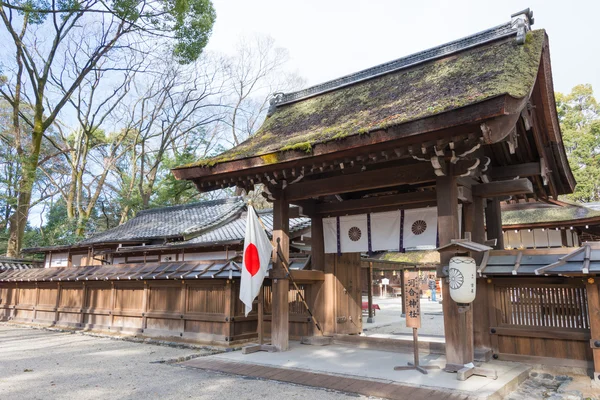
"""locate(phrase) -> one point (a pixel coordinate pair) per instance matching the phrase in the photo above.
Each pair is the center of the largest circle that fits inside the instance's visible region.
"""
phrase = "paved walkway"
(341, 365)
(332, 382)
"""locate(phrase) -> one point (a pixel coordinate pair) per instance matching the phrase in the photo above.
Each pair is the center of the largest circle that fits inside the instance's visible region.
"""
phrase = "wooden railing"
(542, 320)
(557, 306)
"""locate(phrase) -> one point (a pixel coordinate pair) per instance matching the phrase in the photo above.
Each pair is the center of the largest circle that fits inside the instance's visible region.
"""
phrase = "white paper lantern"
(462, 277)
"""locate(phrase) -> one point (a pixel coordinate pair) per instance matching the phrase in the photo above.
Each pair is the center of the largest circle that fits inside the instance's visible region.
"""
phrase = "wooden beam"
(374, 179)
(377, 201)
(307, 275)
(464, 194)
(281, 284)
(503, 188)
(368, 180)
(381, 209)
(516, 170)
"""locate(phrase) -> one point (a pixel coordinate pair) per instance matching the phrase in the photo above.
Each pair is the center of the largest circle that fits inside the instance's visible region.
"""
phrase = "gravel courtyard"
(39, 364)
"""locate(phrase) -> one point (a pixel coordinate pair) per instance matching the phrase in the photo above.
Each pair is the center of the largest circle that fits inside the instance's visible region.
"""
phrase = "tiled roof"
(234, 230)
(563, 261)
(177, 221)
(8, 263)
(212, 269)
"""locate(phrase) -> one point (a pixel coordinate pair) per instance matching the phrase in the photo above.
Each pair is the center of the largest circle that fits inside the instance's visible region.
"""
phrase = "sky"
(327, 39)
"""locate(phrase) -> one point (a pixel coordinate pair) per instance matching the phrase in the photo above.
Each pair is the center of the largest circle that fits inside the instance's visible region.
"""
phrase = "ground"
(42, 364)
(389, 323)
(39, 364)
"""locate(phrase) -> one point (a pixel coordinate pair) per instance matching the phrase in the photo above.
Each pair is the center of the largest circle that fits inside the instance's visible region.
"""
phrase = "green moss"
(413, 257)
(303, 146)
(547, 214)
(469, 77)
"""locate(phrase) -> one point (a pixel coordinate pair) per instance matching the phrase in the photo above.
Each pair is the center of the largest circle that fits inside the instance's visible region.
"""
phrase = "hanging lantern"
(462, 275)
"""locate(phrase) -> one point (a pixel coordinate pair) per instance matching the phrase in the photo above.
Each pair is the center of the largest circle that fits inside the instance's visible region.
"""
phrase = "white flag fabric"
(385, 231)
(420, 228)
(330, 235)
(257, 254)
(354, 235)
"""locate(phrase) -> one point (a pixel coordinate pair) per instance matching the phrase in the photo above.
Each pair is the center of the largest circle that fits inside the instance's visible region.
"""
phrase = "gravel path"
(39, 364)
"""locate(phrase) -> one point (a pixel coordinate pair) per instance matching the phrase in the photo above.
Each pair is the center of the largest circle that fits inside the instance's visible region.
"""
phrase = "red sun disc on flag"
(251, 261)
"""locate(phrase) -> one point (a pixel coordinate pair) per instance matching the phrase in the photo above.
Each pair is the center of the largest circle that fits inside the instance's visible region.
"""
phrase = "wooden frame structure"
(477, 154)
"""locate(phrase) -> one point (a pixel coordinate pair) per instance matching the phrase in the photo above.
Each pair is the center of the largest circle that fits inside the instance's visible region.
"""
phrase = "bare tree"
(39, 29)
(255, 72)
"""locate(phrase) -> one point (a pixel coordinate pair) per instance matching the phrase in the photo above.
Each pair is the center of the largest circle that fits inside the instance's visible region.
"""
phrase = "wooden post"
(370, 292)
(493, 222)
(230, 308)
(37, 299)
(58, 286)
(317, 241)
(281, 285)
(402, 293)
(593, 298)
(474, 223)
(458, 327)
(84, 290)
(113, 299)
(317, 289)
(261, 316)
(145, 306)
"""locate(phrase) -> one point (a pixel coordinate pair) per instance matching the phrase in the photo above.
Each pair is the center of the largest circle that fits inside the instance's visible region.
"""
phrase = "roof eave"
(497, 106)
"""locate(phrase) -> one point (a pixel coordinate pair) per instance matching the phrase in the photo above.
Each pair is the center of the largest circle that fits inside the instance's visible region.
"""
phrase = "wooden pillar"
(493, 223)
(474, 223)
(474, 219)
(329, 295)
(317, 242)
(317, 289)
(281, 284)
(593, 298)
(370, 292)
(458, 327)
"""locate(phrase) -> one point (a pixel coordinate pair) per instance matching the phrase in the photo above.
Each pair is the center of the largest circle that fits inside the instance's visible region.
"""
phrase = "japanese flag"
(257, 253)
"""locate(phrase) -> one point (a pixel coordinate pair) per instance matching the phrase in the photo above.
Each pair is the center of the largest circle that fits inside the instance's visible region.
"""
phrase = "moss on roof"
(413, 257)
(457, 80)
(548, 214)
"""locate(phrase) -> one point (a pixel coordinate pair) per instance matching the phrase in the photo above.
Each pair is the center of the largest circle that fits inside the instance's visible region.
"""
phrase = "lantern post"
(461, 276)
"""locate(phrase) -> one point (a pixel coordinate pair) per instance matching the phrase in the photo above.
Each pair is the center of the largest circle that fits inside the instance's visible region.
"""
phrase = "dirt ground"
(39, 364)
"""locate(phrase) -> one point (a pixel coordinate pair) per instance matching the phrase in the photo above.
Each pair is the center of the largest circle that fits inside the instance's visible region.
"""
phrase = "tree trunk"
(18, 220)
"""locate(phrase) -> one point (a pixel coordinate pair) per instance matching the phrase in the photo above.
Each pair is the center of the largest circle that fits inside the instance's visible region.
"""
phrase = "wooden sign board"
(411, 292)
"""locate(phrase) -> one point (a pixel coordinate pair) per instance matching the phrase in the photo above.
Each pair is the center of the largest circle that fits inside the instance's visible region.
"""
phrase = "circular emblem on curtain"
(418, 227)
(354, 234)
(456, 278)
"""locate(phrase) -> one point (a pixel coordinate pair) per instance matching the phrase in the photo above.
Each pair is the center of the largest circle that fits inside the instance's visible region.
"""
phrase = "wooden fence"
(206, 311)
(540, 319)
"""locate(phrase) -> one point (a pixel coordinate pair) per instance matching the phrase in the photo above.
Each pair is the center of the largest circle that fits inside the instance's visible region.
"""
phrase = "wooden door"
(348, 294)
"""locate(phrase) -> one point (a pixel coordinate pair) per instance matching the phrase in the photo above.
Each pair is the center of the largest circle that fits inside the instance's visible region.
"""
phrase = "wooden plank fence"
(206, 311)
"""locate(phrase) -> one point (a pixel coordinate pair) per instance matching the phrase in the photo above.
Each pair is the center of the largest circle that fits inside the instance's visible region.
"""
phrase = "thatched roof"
(539, 213)
(459, 78)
